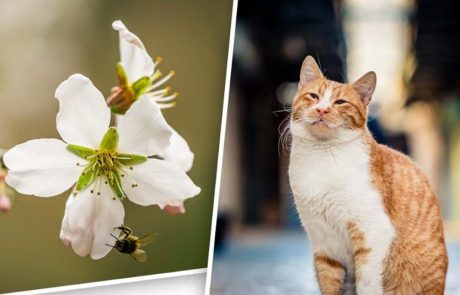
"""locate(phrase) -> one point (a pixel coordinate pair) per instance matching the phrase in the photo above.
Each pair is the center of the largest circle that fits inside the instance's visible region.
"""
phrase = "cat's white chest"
(338, 174)
(332, 187)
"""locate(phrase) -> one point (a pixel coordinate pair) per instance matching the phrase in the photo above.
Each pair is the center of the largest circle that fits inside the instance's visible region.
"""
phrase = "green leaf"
(129, 160)
(115, 183)
(110, 140)
(81, 151)
(140, 85)
(86, 178)
(122, 77)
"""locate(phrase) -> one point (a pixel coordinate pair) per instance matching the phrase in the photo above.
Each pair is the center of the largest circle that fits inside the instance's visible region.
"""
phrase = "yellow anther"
(156, 75)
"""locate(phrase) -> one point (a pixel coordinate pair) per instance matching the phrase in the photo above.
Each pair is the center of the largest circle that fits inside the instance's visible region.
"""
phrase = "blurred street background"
(413, 46)
(43, 42)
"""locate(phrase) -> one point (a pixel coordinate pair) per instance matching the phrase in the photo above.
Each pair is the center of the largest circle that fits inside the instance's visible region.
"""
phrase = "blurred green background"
(45, 41)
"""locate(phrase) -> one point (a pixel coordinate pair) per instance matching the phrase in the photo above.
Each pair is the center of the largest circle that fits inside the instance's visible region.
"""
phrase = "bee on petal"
(131, 244)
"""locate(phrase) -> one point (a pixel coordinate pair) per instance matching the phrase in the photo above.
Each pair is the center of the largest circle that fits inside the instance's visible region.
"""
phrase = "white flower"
(107, 165)
(138, 76)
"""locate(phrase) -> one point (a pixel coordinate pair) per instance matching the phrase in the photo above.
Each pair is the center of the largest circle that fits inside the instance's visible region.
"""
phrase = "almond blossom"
(104, 164)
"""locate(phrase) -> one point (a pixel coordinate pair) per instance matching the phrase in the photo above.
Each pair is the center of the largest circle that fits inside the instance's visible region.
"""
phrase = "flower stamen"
(157, 74)
(157, 61)
(169, 98)
(161, 92)
(164, 80)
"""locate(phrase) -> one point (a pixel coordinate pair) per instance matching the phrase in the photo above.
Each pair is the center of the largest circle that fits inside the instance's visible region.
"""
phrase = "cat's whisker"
(284, 135)
(282, 111)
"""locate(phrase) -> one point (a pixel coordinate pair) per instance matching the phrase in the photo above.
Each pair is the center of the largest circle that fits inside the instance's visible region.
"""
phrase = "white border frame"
(221, 147)
(112, 282)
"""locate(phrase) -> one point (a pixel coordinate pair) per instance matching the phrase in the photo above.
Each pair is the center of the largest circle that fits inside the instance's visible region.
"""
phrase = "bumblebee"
(130, 244)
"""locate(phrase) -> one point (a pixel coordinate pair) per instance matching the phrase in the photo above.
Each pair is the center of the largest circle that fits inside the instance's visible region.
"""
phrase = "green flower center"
(105, 163)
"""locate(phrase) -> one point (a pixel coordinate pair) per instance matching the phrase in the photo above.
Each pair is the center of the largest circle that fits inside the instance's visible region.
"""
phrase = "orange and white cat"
(369, 212)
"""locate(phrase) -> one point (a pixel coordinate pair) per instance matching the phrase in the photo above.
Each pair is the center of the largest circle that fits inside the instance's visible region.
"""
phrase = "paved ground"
(280, 264)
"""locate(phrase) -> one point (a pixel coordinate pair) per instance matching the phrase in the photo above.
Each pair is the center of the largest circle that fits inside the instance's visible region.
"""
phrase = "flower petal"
(67, 234)
(134, 58)
(143, 129)
(83, 116)
(42, 167)
(79, 240)
(178, 152)
(158, 182)
(89, 222)
(111, 215)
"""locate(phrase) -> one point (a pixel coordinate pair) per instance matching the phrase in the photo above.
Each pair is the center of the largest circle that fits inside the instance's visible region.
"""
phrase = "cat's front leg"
(330, 274)
(370, 246)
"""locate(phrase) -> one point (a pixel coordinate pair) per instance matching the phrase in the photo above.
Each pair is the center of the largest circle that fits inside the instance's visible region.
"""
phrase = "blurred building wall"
(272, 39)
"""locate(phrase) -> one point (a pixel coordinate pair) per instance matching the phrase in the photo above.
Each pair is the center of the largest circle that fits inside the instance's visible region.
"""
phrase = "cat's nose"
(322, 111)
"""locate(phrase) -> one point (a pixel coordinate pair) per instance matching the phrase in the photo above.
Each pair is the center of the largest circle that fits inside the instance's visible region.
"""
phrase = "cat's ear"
(365, 87)
(309, 72)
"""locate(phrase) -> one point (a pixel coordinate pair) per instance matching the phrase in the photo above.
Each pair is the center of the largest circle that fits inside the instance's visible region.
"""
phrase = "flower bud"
(174, 210)
(6, 192)
(5, 203)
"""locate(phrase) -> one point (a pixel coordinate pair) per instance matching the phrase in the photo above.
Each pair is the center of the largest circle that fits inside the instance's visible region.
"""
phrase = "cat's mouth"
(320, 122)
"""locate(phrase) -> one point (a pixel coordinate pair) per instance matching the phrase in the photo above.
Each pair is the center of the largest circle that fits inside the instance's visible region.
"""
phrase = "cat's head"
(326, 110)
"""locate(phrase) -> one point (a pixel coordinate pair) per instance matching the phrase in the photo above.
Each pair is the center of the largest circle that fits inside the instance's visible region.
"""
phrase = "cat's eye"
(340, 101)
(314, 96)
